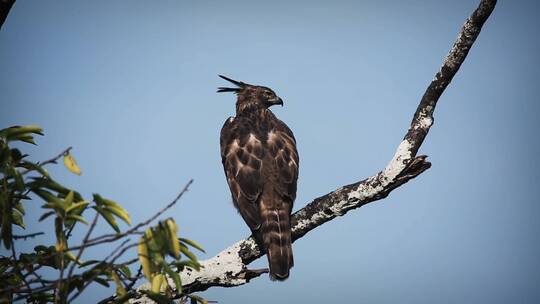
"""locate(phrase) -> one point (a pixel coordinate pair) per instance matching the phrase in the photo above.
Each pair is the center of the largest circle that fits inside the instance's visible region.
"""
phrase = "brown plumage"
(259, 156)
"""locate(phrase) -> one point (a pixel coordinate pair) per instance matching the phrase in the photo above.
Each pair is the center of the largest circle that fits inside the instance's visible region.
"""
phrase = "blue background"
(131, 86)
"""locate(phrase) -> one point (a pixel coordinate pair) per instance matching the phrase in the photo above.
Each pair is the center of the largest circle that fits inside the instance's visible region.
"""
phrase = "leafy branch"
(161, 253)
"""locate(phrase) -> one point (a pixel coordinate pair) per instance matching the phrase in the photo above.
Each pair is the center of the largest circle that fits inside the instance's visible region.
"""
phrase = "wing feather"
(241, 155)
(282, 146)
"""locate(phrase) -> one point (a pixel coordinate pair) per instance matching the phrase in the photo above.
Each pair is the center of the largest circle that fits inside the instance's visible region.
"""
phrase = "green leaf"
(74, 208)
(108, 217)
(39, 248)
(157, 282)
(124, 299)
(170, 228)
(58, 210)
(157, 297)
(69, 199)
(154, 240)
(88, 263)
(7, 236)
(50, 198)
(46, 215)
(188, 263)
(192, 244)
(119, 212)
(174, 276)
(4, 152)
(198, 299)
(78, 218)
(19, 182)
(40, 182)
(25, 138)
(17, 219)
(112, 207)
(18, 130)
(98, 199)
(19, 207)
(102, 282)
(110, 202)
(61, 242)
(73, 258)
(120, 290)
(16, 155)
(125, 270)
(188, 253)
(19, 196)
(34, 167)
(28, 258)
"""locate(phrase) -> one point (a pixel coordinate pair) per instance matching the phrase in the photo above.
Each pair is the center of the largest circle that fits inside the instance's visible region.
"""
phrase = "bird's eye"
(267, 93)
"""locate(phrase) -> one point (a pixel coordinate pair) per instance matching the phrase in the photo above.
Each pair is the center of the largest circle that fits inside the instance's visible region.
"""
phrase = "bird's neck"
(250, 109)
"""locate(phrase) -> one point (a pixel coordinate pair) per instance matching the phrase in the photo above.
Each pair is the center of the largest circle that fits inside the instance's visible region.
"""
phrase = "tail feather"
(276, 236)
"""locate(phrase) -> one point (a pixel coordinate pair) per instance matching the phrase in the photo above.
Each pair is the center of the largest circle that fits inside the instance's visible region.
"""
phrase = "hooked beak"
(276, 101)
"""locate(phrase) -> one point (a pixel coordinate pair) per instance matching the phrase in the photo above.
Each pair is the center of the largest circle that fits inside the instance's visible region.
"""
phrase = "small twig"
(86, 237)
(107, 238)
(26, 236)
(129, 287)
(51, 284)
(37, 290)
(57, 157)
(33, 270)
(58, 292)
(38, 277)
(79, 254)
(134, 279)
(91, 279)
(49, 161)
(120, 248)
(47, 285)
(17, 268)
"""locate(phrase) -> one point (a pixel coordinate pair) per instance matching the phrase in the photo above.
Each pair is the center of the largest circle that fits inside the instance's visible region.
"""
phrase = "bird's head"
(251, 97)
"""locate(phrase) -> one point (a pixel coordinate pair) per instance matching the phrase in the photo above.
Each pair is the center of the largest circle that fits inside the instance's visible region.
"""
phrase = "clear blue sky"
(131, 86)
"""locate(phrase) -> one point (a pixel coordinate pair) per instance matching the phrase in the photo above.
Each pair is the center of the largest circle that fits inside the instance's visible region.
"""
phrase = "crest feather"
(240, 85)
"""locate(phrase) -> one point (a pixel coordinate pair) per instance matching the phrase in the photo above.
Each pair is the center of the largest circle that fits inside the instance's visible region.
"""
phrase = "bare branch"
(5, 7)
(49, 161)
(107, 238)
(18, 270)
(91, 279)
(229, 267)
(85, 240)
(26, 236)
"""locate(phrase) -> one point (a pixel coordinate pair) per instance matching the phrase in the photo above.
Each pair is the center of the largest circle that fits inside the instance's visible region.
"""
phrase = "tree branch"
(229, 267)
(26, 236)
(5, 6)
(49, 161)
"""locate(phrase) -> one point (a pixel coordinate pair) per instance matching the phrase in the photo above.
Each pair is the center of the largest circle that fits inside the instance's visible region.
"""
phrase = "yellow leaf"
(69, 199)
(73, 258)
(174, 243)
(157, 281)
(120, 290)
(144, 259)
(119, 212)
(71, 164)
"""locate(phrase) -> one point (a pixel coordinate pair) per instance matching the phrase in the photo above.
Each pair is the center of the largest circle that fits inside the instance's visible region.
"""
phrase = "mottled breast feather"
(259, 156)
(254, 153)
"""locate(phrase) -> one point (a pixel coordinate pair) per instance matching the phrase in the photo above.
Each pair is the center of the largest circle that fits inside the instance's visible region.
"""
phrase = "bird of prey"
(259, 155)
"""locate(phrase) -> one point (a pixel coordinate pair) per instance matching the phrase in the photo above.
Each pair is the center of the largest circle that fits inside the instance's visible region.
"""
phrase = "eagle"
(259, 156)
